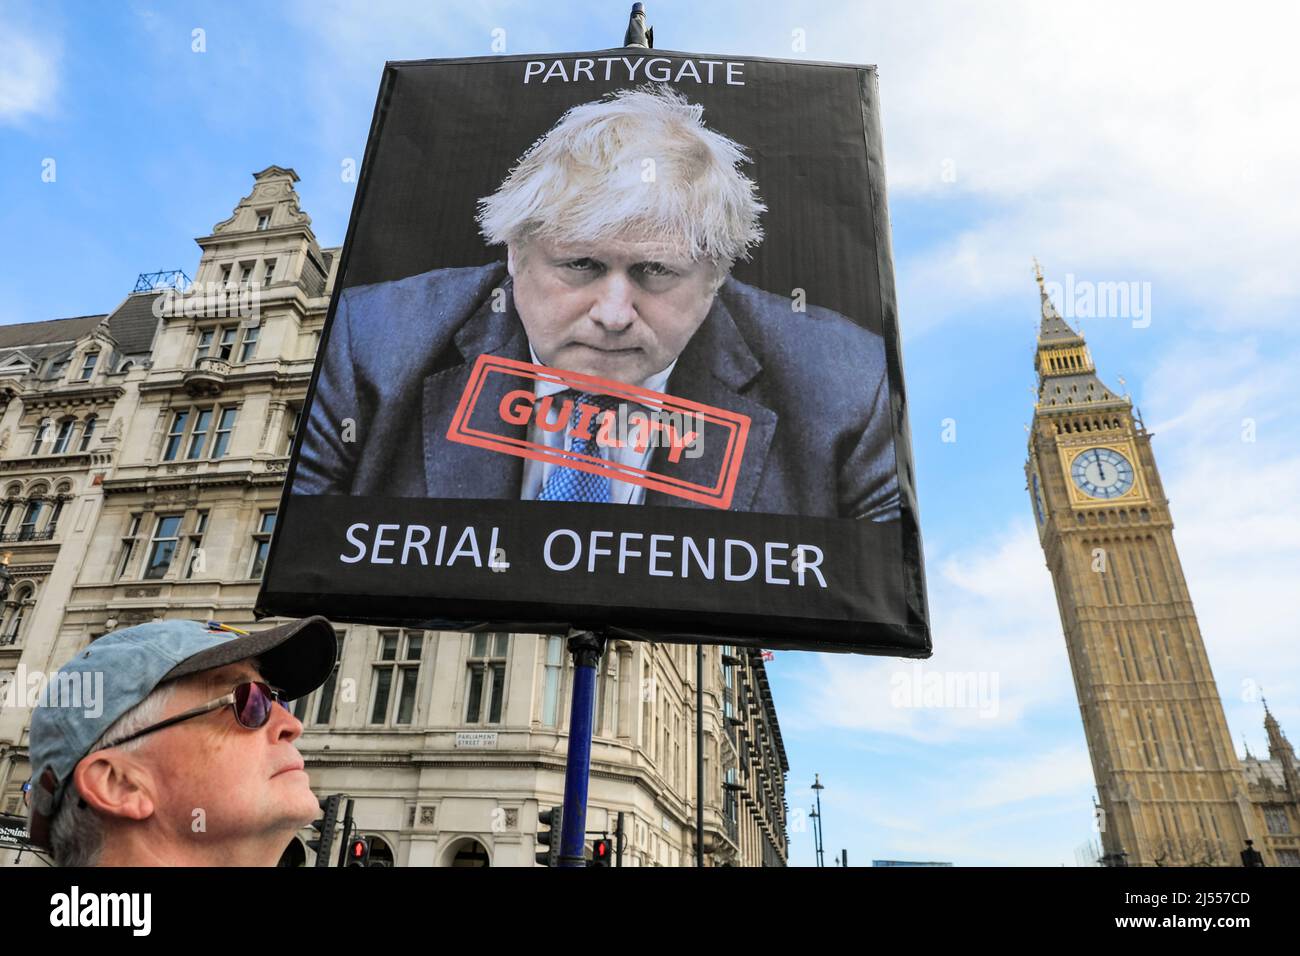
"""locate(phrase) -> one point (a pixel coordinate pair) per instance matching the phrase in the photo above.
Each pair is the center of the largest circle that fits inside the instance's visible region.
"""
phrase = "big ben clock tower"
(1170, 786)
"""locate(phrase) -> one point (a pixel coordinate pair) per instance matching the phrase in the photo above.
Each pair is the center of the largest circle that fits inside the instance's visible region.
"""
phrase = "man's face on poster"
(620, 309)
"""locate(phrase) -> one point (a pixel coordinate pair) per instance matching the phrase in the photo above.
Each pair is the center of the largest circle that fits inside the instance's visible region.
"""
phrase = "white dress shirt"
(536, 473)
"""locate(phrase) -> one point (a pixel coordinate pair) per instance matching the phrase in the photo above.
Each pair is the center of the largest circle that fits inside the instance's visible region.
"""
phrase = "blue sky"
(1115, 144)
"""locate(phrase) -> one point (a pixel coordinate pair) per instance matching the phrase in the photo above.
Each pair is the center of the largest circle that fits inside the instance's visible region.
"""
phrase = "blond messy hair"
(639, 163)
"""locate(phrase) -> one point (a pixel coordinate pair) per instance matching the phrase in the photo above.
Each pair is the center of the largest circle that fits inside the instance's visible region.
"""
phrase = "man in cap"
(185, 759)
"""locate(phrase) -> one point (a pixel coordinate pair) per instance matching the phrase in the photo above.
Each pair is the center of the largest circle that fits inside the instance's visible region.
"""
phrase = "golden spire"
(1038, 274)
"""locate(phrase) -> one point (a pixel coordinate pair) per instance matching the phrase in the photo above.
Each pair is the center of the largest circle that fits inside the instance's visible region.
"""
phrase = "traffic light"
(601, 852)
(550, 838)
(359, 851)
(324, 828)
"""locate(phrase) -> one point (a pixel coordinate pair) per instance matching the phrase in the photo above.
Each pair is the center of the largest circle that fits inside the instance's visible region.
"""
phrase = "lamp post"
(812, 815)
(817, 818)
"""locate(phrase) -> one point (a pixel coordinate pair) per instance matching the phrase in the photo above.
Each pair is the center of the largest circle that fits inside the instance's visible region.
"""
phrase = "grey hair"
(77, 832)
(586, 181)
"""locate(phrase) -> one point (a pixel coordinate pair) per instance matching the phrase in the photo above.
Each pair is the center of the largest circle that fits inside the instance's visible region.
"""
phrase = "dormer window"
(245, 276)
(263, 220)
(269, 275)
(88, 366)
(225, 275)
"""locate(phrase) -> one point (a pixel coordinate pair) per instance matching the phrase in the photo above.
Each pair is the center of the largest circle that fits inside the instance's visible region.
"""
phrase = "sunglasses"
(251, 700)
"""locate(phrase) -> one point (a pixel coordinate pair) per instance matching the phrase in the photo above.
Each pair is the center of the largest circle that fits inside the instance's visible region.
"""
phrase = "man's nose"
(283, 724)
(614, 308)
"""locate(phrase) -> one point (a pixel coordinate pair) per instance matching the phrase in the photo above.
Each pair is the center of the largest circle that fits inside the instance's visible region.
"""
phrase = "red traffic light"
(359, 851)
(600, 852)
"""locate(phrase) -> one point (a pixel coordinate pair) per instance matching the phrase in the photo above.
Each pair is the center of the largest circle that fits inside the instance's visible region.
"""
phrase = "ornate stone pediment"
(272, 193)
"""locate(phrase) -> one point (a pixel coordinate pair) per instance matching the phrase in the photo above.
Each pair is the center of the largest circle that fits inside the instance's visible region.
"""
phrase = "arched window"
(31, 517)
(87, 433)
(11, 504)
(381, 854)
(42, 430)
(61, 496)
(467, 852)
(15, 611)
(64, 437)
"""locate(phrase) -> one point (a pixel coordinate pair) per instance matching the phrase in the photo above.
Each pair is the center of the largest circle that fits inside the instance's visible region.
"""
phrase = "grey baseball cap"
(119, 670)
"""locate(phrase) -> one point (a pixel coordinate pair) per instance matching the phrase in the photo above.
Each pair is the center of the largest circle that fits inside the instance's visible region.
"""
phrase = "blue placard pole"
(587, 649)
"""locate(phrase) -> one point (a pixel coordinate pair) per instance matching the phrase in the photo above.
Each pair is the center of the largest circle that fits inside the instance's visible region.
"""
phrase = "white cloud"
(1059, 772)
(1118, 141)
(1234, 507)
(28, 72)
(997, 639)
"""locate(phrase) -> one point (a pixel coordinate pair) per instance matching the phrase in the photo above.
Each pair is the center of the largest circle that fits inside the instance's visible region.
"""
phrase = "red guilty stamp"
(677, 425)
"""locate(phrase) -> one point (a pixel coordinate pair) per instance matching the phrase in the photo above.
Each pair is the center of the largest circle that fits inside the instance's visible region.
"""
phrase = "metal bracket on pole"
(587, 649)
(638, 34)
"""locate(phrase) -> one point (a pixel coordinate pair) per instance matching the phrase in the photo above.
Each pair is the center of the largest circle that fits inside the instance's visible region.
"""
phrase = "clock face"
(1038, 501)
(1102, 473)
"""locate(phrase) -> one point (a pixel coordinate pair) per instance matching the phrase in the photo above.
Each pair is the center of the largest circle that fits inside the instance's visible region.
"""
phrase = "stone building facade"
(1273, 785)
(142, 456)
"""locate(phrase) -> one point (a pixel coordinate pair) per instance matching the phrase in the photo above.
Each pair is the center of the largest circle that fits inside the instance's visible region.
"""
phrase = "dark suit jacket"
(821, 442)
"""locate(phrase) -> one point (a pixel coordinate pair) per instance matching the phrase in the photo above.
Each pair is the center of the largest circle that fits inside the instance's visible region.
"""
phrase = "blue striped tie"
(570, 484)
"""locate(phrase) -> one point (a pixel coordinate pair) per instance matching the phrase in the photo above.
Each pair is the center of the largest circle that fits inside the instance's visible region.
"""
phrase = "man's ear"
(721, 272)
(115, 784)
(510, 259)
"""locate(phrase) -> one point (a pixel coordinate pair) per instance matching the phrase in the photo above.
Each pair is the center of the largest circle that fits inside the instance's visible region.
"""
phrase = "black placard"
(635, 444)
